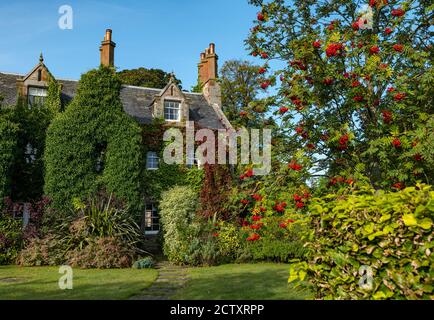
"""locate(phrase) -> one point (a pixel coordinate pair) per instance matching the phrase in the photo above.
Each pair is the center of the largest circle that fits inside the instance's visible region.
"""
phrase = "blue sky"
(166, 34)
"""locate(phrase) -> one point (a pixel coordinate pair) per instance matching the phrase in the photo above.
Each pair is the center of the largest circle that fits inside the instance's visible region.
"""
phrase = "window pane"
(152, 160)
(172, 110)
(152, 219)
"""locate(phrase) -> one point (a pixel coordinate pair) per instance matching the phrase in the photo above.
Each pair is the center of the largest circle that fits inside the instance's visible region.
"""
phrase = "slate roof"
(136, 101)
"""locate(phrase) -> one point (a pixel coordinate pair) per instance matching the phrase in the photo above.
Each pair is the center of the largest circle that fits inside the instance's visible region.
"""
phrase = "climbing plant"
(94, 145)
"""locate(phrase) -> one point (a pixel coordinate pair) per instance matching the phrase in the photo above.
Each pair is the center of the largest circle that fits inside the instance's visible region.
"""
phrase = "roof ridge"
(12, 74)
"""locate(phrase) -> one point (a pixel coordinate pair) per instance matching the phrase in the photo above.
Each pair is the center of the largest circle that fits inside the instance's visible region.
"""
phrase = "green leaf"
(409, 220)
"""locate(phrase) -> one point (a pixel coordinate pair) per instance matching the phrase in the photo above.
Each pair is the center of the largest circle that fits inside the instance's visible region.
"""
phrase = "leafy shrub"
(102, 219)
(229, 239)
(49, 251)
(388, 233)
(145, 263)
(102, 253)
(104, 216)
(10, 238)
(177, 216)
(276, 250)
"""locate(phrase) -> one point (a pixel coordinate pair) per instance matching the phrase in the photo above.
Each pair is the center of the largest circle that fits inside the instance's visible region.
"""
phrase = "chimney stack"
(107, 50)
(208, 74)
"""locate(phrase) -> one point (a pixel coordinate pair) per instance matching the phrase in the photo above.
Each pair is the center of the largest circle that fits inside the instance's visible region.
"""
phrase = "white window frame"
(151, 219)
(170, 104)
(36, 92)
(152, 160)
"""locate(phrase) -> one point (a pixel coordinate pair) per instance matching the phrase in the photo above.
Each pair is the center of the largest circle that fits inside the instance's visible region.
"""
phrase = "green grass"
(41, 283)
(262, 281)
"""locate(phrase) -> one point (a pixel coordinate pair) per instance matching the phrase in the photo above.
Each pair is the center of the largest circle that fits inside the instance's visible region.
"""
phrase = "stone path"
(170, 279)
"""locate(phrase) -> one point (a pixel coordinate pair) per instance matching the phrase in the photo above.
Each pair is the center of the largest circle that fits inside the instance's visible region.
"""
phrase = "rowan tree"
(355, 93)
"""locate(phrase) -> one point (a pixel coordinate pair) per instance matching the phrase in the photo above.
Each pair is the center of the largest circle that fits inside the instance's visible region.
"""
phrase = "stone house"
(143, 104)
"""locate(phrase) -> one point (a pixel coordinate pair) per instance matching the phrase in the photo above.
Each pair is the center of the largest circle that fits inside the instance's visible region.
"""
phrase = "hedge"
(94, 145)
(384, 235)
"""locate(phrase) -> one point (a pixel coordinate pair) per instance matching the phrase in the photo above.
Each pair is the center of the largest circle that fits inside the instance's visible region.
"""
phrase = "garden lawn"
(262, 281)
(41, 283)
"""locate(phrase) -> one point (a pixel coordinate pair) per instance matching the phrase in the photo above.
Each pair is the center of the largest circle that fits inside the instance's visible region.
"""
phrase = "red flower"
(254, 237)
(242, 177)
(283, 225)
(256, 218)
(244, 201)
(398, 12)
(358, 98)
(349, 181)
(299, 205)
(418, 157)
(254, 54)
(355, 83)
(390, 89)
(374, 50)
(328, 81)
(283, 110)
(310, 146)
(257, 197)
(291, 221)
(297, 197)
(215, 234)
(355, 25)
(243, 113)
(398, 185)
(372, 2)
(399, 96)
(261, 16)
(245, 223)
(280, 207)
(249, 173)
(299, 130)
(334, 49)
(264, 55)
(307, 195)
(255, 227)
(398, 47)
(262, 70)
(265, 85)
(343, 140)
(295, 166)
(388, 31)
(317, 44)
(387, 116)
(396, 143)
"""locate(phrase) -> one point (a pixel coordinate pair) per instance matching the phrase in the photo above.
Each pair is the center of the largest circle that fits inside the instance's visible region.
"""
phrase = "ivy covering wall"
(8, 144)
(94, 145)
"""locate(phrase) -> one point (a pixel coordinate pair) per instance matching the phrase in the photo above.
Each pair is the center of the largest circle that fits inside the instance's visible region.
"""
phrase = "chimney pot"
(211, 48)
(108, 35)
(202, 56)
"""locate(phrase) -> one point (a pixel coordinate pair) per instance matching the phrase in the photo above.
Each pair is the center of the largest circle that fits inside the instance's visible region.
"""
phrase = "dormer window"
(172, 110)
(36, 96)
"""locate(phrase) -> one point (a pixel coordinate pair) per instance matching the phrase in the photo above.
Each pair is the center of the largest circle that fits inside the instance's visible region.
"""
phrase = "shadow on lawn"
(267, 284)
